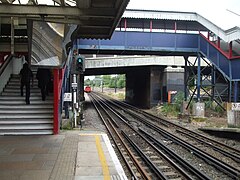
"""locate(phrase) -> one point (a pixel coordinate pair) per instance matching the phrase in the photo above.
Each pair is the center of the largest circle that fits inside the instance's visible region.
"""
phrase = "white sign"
(67, 97)
(236, 106)
(74, 85)
(173, 92)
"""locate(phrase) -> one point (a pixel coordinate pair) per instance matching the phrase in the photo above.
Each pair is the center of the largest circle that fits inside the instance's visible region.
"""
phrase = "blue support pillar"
(230, 91)
(185, 78)
(213, 82)
(198, 78)
(236, 91)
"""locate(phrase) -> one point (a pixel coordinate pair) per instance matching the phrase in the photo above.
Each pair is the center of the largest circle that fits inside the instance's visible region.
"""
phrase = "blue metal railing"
(65, 82)
(143, 41)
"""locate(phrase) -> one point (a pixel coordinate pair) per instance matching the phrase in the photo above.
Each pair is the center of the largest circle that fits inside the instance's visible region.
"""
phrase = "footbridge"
(157, 43)
(174, 34)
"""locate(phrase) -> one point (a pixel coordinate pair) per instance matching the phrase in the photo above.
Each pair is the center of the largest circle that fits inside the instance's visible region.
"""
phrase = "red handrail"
(219, 49)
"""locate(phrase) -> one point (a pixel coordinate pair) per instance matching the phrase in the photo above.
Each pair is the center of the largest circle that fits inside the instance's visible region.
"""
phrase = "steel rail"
(230, 155)
(215, 162)
(175, 156)
(123, 119)
(138, 165)
(173, 124)
(159, 173)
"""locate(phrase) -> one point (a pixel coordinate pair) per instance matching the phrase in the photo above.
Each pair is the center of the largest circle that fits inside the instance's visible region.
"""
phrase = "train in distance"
(87, 89)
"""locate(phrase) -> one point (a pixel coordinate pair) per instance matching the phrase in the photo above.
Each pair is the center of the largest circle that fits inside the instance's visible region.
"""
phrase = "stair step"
(17, 118)
(17, 84)
(25, 116)
(17, 79)
(22, 102)
(9, 94)
(26, 106)
(23, 127)
(26, 132)
(18, 90)
(26, 111)
(22, 98)
(18, 87)
(14, 122)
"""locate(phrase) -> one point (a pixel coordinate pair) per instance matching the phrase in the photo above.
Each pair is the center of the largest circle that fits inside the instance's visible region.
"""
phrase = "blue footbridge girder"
(162, 43)
(157, 43)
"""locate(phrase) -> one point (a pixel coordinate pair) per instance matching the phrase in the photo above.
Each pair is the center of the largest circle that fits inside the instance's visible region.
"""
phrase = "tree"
(87, 82)
(121, 82)
(106, 80)
(97, 81)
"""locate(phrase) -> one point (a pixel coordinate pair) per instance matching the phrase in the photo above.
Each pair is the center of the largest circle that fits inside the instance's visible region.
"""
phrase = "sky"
(214, 10)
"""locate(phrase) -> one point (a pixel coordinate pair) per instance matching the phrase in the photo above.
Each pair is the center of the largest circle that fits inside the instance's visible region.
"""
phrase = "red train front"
(87, 89)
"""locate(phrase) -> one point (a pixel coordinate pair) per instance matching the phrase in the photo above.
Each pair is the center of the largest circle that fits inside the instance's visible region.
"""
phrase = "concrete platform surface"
(75, 155)
(230, 133)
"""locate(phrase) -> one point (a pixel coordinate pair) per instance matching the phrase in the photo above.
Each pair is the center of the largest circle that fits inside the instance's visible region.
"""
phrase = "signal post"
(78, 69)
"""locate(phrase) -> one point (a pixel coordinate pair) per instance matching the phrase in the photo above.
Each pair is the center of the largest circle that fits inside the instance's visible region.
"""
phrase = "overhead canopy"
(95, 18)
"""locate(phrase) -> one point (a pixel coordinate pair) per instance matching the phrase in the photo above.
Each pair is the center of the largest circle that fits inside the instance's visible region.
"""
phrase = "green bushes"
(174, 108)
(212, 105)
(169, 110)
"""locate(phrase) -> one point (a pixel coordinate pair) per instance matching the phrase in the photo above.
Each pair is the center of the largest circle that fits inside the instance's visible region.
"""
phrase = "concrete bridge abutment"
(148, 86)
(138, 87)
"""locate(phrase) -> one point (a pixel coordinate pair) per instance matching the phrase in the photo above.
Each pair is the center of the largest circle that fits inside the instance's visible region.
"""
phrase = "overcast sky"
(214, 10)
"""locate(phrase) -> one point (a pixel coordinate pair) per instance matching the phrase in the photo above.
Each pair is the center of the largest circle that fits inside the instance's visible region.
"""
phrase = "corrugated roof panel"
(228, 35)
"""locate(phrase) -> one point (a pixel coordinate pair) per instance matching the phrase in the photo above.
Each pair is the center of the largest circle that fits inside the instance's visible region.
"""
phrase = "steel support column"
(230, 91)
(218, 42)
(125, 24)
(12, 35)
(230, 49)
(213, 80)
(81, 87)
(185, 78)
(236, 91)
(198, 78)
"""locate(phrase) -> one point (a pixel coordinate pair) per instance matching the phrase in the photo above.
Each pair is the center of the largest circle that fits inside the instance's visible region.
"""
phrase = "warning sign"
(236, 106)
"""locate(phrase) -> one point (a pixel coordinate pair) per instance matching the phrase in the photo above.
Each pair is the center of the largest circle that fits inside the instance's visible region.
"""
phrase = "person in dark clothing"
(43, 76)
(26, 75)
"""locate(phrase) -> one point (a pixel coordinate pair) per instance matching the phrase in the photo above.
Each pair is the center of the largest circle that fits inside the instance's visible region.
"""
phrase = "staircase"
(17, 118)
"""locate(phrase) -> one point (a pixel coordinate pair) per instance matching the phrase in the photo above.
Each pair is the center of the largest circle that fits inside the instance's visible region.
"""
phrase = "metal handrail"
(5, 64)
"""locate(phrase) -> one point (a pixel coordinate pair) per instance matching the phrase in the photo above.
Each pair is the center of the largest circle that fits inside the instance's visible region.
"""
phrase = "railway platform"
(75, 155)
(80, 154)
(230, 133)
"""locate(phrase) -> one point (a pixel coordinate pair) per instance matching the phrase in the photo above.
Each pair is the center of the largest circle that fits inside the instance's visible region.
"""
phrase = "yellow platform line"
(102, 158)
(91, 134)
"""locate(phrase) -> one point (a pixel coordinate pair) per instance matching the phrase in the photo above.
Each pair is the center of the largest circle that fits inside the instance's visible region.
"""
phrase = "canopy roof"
(95, 18)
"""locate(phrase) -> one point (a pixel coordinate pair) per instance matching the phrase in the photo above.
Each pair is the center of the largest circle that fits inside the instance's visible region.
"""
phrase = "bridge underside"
(147, 86)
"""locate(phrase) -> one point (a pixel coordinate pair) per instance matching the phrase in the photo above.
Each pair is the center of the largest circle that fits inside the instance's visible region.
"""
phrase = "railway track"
(142, 158)
(171, 142)
(218, 149)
